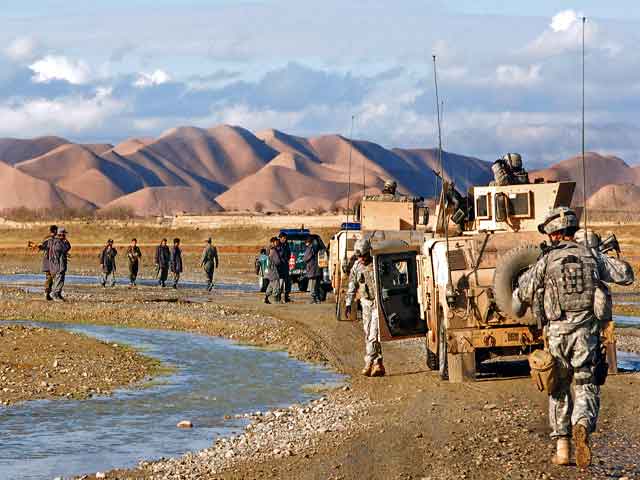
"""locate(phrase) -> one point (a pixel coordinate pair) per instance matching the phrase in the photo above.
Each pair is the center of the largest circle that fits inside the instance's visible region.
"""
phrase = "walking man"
(274, 288)
(108, 264)
(209, 262)
(362, 280)
(176, 261)
(285, 256)
(58, 260)
(312, 270)
(44, 248)
(163, 262)
(568, 277)
(134, 254)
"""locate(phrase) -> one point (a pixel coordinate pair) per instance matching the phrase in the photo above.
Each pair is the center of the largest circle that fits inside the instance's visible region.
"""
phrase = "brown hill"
(602, 170)
(132, 145)
(616, 198)
(14, 150)
(22, 190)
(157, 201)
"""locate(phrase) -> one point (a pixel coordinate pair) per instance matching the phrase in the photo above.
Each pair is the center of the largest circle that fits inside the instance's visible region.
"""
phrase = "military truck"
(455, 286)
(398, 216)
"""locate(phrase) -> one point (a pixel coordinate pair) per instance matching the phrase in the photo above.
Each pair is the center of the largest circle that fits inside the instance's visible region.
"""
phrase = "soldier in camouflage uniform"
(362, 280)
(390, 187)
(567, 277)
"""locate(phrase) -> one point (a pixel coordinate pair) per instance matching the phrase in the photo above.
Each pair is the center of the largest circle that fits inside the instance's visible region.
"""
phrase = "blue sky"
(105, 71)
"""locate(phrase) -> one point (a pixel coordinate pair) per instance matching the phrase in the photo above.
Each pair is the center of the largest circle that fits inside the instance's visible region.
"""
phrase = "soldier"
(567, 277)
(162, 261)
(275, 283)
(209, 262)
(58, 261)
(134, 254)
(176, 261)
(44, 248)
(362, 280)
(508, 170)
(390, 187)
(285, 256)
(108, 264)
(312, 270)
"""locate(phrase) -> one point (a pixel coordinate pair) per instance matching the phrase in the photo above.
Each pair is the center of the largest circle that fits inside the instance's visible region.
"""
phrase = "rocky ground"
(38, 363)
(407, 425)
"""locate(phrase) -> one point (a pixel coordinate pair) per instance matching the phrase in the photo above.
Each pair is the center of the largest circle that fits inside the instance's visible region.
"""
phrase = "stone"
(101, 475)
(229, 454)
(184, 424)
(490, 406)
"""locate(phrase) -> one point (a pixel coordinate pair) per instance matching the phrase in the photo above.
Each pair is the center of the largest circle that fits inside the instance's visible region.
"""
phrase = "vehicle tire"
(263, 283)
(432, 360)
(443, 366)
(303, 284)
(511, 266)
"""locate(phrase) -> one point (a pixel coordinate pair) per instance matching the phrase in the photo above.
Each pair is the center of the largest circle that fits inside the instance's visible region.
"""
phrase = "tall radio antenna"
(435, 81)
(349, 175)
(584, 166)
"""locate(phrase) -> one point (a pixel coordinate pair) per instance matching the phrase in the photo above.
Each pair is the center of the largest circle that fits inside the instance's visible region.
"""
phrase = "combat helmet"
(559, 218)
(363, 247)
(390, 186)
(514, 160)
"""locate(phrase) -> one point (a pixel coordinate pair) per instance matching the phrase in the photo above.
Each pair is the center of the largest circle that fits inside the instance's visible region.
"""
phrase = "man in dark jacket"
(58, 260)
(274, 288)
(163, 261)
(209, 262)
(108, 264)
(283, 269)
(312, 270)
(44, 248)
(134, 254)
(176, 261)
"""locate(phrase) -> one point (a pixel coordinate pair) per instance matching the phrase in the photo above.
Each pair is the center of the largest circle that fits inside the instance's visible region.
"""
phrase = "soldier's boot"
(366, 371)
(378, 369)
(581, 442)
(563, 452)
(49, 297)
(266, 300)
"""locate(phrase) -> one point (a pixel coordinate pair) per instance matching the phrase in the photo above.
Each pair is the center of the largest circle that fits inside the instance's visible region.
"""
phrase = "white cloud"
(157, 77)
(54, 67)
(515, 75)
(22, 49)
(72, 114)
(563, 21)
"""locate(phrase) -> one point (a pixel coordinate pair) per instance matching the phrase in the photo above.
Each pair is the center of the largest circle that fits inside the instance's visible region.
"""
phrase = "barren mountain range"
(196, 170)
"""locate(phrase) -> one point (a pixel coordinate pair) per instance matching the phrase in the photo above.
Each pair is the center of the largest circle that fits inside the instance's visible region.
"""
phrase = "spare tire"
(511, 266)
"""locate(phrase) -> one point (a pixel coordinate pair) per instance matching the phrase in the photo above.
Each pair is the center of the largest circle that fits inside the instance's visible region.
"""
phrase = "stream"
(213, 377)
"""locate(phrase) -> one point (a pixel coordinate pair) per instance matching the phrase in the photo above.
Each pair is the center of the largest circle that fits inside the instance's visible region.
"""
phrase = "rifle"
(610, 244)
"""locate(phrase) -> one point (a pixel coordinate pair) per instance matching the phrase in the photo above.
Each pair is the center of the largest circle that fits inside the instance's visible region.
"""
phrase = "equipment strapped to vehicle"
(543, 371)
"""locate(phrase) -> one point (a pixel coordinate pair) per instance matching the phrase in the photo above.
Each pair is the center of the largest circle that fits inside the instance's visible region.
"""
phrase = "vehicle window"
(395, 274)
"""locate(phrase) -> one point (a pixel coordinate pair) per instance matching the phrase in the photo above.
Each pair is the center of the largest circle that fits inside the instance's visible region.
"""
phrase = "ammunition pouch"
(543, 371)
(600, 367)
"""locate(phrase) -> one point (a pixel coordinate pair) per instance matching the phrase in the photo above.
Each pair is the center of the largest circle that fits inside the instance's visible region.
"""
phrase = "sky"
(508, 71)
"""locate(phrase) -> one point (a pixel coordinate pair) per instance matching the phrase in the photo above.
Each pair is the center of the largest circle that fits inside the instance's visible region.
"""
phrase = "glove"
(347, 311)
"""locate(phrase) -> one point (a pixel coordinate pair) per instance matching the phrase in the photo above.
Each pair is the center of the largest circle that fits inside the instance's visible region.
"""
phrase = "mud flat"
(40, 363)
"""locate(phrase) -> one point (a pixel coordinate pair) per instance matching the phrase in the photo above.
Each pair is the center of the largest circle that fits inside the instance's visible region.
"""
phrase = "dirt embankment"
(40, 363)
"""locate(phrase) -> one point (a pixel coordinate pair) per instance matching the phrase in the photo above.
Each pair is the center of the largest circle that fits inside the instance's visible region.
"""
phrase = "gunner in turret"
(508, 170)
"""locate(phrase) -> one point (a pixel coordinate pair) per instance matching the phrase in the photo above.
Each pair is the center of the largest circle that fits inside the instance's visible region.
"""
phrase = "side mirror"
(423, 216)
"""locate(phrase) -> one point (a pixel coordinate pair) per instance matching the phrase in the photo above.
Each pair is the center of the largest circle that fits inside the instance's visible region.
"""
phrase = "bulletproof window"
(520, 204)
(482, 207)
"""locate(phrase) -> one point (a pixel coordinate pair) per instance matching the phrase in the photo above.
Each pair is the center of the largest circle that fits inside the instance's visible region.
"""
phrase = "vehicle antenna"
(584, 166)
(349, 178)
(435, 81)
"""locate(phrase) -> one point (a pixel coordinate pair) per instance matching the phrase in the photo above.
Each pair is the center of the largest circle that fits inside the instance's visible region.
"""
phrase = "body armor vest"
(570, 282)
(367, 283)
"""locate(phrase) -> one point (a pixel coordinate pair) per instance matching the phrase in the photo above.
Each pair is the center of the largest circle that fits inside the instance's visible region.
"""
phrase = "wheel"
(263, 283)
(510, 267)
(432, 360)
(303, 284)
(442, 349)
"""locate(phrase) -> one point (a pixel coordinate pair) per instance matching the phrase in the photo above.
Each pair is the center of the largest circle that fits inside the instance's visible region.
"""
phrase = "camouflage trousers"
(58, 284)
(373, 349)
(575, 357)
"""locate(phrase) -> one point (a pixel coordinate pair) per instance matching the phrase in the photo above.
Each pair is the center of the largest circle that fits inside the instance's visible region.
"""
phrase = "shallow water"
(214, 378)
(626, 321)
(30, 278)
(629, 361)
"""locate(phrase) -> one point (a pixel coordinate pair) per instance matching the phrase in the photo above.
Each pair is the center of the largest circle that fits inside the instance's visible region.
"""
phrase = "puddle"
(213, 378)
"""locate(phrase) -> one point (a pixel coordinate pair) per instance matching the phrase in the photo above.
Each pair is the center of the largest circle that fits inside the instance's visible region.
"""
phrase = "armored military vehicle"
(455, 287)
(388, 216)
